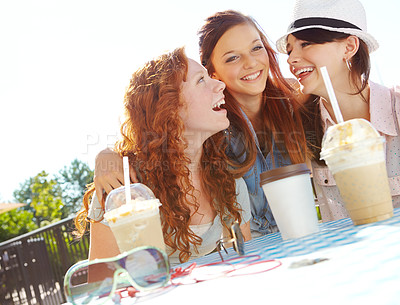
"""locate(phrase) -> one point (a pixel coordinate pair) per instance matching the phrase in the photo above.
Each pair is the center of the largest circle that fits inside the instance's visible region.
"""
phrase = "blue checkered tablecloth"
(332, 234)
(360, 265)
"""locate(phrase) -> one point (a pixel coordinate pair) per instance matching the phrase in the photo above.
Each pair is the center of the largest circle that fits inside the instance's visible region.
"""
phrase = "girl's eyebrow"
(193, 77)
(232, 51)
(198, 74)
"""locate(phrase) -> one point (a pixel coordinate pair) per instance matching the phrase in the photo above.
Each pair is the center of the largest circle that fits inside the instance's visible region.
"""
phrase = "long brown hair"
(152, 138)
(280, 116)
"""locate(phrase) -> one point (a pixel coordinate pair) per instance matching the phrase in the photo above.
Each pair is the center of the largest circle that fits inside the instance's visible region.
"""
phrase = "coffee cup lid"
(283, 172)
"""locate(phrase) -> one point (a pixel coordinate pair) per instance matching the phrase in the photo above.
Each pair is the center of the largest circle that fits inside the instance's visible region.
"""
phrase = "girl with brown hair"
(266, 130)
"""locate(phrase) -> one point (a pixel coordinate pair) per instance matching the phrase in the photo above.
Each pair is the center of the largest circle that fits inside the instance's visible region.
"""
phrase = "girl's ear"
(215, 76)
(352, 45)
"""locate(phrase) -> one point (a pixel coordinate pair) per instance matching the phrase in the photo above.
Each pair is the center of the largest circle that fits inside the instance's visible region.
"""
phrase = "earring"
(348, 64)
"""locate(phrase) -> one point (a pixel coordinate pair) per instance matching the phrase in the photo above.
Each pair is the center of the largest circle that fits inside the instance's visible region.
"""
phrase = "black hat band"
(330, 22)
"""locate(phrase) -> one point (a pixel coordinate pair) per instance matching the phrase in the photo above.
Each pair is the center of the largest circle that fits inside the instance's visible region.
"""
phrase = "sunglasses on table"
(102, 280)
(236, 239)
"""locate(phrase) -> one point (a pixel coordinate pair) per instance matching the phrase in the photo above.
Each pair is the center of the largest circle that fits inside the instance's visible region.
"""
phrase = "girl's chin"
(255, 87)
(256, 91)
(305, 89)
(225, 125)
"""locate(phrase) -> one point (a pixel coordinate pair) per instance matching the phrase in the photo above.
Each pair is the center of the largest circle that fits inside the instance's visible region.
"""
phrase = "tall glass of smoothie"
(354, 153)
(134, 222)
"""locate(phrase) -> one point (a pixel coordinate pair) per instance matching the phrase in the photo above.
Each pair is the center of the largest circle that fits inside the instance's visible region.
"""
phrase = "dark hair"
(280, 118)
(360, 70)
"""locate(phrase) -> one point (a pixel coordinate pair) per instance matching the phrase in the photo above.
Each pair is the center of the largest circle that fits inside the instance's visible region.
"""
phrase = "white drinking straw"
(127, 181)
(331, 93)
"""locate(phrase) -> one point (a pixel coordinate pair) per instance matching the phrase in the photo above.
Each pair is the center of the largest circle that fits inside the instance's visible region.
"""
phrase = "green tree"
(43, 197)
(47, 199)
(73, 181)
(15, 223)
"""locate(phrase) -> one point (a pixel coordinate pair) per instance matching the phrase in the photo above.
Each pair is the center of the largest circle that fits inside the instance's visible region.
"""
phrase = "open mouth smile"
(217, 106)
(303, 72)
(252, 76)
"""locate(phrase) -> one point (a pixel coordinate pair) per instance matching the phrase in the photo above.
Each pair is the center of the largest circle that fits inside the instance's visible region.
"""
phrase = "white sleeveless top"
(209, 232)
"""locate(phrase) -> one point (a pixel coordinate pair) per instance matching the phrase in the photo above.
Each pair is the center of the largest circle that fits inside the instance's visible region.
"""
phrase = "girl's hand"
(109, 173)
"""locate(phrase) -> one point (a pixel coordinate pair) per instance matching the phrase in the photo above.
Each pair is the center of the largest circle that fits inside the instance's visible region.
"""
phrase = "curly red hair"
(152, 138)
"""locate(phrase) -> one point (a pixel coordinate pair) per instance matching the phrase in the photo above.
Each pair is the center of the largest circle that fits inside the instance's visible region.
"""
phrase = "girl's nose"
(219, 85)
(293, 57)
(249, 62)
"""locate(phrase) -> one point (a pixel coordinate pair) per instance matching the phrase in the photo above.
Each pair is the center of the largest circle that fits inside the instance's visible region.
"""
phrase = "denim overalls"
(262, 220)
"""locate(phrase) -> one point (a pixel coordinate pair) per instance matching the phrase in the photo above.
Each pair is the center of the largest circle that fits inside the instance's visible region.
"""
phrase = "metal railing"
(33, 265)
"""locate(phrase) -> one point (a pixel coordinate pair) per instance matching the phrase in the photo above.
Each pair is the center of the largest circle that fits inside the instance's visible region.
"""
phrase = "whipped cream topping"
(348, 132)
(134, 207)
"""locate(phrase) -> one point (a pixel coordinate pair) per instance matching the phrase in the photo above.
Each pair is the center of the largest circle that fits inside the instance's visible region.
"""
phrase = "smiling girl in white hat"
(333, 33)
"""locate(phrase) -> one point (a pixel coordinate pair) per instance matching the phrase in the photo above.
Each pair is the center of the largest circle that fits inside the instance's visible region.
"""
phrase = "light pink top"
(385, 117)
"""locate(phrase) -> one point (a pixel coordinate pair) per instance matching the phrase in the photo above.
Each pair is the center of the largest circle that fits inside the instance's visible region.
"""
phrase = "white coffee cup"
(289, 194)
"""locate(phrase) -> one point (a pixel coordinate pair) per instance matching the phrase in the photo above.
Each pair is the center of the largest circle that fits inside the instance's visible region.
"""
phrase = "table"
(362, 267)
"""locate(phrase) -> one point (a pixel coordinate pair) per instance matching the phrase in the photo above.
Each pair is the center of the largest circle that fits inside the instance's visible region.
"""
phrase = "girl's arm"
(243, 199)
(102, 245)
(102, 242)
(245, 228)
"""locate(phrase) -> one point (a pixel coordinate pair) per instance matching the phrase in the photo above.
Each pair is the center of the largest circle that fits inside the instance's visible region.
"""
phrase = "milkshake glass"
(354, 153)
(135, 222)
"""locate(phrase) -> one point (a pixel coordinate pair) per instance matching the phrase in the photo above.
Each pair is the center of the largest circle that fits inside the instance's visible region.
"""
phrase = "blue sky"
(65, 65)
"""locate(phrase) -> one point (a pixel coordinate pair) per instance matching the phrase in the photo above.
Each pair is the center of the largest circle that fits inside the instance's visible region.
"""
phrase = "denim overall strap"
(262, 218)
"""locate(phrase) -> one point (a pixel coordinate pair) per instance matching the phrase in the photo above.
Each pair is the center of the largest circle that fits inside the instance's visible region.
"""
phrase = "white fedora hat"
(344, 16)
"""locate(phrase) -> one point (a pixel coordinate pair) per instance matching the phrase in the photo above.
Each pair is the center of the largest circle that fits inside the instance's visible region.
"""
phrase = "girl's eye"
(232, 58)
(305, 43)
(200, 80)
(256, 48)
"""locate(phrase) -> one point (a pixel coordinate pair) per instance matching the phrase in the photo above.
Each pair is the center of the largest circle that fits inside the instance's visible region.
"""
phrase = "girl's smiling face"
(203, 97)
(306, 58)
(241, 62)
